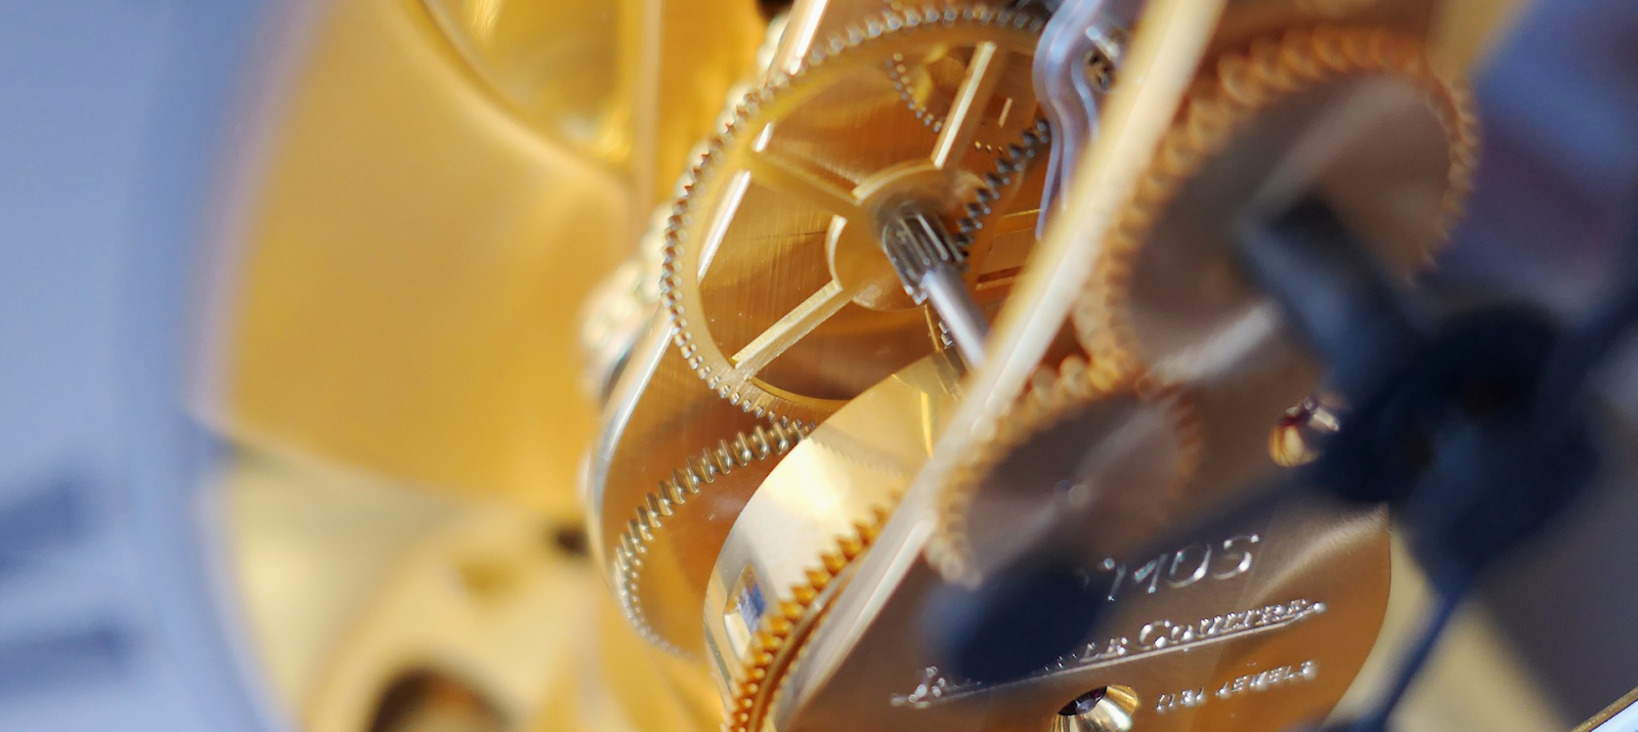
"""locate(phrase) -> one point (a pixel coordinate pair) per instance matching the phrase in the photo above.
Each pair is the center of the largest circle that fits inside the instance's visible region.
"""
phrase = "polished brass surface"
(439, 195)
(1269, 648)
(421, 211)
(1075, 430)
(782, 298)
(1250, 616)
(815, 513)
(668, 548)
(865, 620)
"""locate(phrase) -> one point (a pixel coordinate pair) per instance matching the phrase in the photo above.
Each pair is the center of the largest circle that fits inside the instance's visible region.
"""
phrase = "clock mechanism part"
(1076, 441)
(1239, 601)
(994, 366)
(1108, 449)
(1342, 111)
(775, 278)
(665, 554)
(657, 529)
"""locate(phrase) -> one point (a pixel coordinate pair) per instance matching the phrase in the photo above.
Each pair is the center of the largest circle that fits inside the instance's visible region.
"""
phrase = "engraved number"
(1184, 567)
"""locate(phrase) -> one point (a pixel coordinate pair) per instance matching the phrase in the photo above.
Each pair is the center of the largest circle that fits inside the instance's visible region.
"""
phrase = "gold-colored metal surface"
(1245, 620)
(1245, 644)
(783, 300)
(814, 514)
(751, 207)
(667, 550)
(1167, 53)
(429, 209)
(448, 180)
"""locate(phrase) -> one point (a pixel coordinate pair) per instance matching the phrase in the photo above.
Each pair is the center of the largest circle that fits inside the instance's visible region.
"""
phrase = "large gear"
(1165, 292)
(781, 298)
(665, 555)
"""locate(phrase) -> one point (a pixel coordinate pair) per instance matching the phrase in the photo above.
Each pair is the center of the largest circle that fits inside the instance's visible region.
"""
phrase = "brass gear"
(1165, 294)
(1064, 419)
(1015, 183)
(777, 643)
(670, 530)
(815, 514)
(773, 276)
(919, 90)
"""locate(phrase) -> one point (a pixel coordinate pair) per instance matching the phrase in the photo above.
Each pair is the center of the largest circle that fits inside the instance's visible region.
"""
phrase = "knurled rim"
(654, 514)
(1243, 85)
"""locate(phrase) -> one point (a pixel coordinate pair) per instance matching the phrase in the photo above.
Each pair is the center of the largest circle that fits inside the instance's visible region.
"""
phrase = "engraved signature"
(1252, 683)
(1153, 639)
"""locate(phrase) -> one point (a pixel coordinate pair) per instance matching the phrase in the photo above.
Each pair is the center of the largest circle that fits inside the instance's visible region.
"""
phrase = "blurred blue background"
(112, 114)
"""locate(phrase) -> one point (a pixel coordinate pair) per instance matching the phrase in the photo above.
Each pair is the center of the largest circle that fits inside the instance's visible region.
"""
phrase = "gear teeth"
(1052, 398)
(1010, 166)
(686, 482)
(898, 22)
(898, 73)
(1245, 84)
(774, 637)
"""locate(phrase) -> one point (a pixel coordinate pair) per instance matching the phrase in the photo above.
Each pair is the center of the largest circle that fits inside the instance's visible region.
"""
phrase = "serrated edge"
(1010, 166)
(755, 400)
(1246, 83)
(778, 630)
(728, 455)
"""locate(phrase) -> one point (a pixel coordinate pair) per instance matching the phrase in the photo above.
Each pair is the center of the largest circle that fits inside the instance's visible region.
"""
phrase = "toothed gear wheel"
(798, 534)
(665, 555)
(1015, 183)
(774, 278)
(1081, 440)
(1357, 116)
(924, 82)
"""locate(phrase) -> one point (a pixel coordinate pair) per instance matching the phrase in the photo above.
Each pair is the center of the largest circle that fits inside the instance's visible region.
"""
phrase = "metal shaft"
(927, 262)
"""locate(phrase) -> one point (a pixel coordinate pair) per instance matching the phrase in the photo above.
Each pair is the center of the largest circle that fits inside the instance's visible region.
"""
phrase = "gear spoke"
(977, 88)
(854, 169)
(791, 328)
(781, 175)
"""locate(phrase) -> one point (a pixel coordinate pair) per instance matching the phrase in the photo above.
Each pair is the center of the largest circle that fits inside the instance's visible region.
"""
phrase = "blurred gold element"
(1339, 112)
(817, 512)
(379, 607)
(441, 186)
(1080, 437)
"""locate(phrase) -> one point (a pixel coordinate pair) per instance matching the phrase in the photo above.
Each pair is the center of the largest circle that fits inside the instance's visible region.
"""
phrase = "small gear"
(1015, 183)
(774, 278)
(665, 555)
(1081, 439)
(1165, 293)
